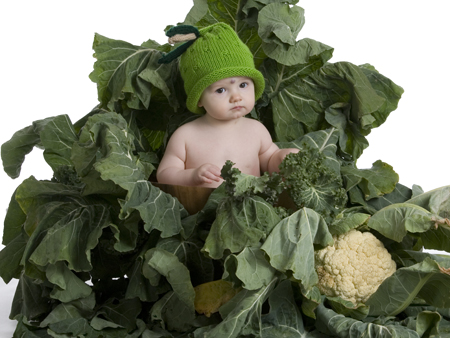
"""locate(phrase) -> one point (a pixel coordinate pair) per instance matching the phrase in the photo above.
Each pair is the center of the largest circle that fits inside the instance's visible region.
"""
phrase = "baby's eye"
(220, 90)
(243, 84)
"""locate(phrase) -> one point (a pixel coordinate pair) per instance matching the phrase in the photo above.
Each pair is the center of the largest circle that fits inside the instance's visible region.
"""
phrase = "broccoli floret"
(66, 174)
(312, 183)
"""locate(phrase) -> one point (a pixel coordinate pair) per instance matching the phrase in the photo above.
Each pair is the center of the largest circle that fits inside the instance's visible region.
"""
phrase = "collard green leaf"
(72, 238)
(294, 111)
(348, 309)
(11, 258)
(73, 326)
(278, 26)
(280, 23)
(127, 72)
(344, 222)
(337, 325)
(14, 219)
(172, 314)
(189, 253)
(300, 108)
(139, 286)
(123, 312)
(168, 265)
(110, 142)
(423, 280)
(249, 268)
(230, 12)
(436, 201)
(21, 143)
(400, 194)
(25, 302)
(374, 182)
(284, 318)
(239, 224)
(325, 141)
(396, 220)
(385, 88)
(68, 286)
(57, 138)
(158, 209)
(242, 314)
(290, 245)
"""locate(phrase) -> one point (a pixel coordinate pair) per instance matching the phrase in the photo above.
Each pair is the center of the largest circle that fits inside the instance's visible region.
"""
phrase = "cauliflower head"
(354, 267)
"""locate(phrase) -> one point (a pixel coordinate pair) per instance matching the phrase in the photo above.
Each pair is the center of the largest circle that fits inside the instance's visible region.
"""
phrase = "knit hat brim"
(196, 92)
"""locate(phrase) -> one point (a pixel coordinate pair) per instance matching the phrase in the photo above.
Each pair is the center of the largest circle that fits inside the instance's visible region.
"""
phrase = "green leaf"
(11, 257)
(280, 23)
(239, 224)
(324, 141)
(139, 286)
(396, 220)
(301, 106)
(57, 137)
(348, 309)
(423, 280)
(344, 222)
(168, 265)
(25, 302)
(427, 323)
(250, 267)
(127, 72)
(374, 182)
(14, 219)
(74, 326)
(290, 245)
(284, 318)
(436, 201)
(337, 325)
(242, 314)
(72, 238)
(230, 12)
(173, 314)
(385, 88)
(158, 210)
(189, 253)
(68, 286)
(278, 26)
(123, 312)
(21, 143)
(399, 195)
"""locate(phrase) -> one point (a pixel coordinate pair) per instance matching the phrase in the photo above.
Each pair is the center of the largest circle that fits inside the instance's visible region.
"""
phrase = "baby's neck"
(212, 122)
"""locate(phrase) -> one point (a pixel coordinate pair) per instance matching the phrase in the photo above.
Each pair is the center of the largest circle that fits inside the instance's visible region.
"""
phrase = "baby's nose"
(235, 97)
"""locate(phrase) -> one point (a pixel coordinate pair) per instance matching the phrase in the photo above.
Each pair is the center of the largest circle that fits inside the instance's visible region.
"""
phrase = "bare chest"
(218, 147)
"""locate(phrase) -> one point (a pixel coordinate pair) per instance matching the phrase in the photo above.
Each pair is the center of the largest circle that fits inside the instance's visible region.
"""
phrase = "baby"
(221, 83)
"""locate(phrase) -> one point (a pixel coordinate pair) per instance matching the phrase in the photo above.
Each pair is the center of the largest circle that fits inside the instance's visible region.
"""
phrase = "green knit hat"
(217, 53)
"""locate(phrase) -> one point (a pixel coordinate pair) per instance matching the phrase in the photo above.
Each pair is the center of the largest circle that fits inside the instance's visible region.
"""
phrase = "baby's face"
(229, 98)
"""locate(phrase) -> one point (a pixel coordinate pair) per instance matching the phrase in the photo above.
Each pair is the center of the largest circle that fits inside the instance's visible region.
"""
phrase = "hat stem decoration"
(178, 34)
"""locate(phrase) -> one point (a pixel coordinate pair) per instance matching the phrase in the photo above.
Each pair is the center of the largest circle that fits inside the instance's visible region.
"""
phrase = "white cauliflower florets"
(354, 267)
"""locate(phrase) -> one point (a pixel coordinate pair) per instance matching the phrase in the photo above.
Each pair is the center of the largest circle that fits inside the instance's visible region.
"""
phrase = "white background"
(46, 58)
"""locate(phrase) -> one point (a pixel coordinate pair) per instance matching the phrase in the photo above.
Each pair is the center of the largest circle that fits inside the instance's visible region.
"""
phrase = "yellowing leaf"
(209, 297)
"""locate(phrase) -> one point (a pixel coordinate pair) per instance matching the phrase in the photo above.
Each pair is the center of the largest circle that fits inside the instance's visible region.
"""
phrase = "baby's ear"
(199, 104)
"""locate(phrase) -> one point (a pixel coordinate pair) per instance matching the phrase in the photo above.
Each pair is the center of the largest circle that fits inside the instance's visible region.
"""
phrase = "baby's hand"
(207, 173)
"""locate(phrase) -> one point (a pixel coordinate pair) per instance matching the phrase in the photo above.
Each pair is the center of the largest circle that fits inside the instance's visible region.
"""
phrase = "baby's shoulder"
(255, 126)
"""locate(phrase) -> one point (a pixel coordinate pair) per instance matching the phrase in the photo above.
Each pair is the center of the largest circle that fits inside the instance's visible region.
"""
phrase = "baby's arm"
(172, 170)
(271, 156)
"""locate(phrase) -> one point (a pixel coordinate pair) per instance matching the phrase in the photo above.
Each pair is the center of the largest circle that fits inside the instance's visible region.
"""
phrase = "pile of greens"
(100, 251)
